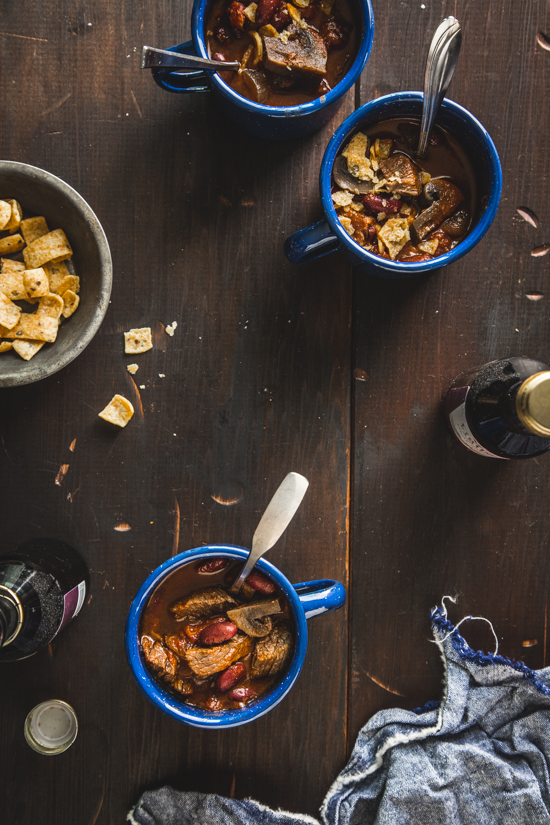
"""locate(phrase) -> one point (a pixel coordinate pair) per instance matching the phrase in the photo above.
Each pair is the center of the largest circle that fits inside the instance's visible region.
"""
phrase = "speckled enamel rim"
(56, 363)
(367, 34)
(326, 595)
(394, 105)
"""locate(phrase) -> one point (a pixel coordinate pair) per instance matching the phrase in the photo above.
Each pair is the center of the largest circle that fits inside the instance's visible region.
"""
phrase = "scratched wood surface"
(272, 367)
(255, 382)
(429, 518)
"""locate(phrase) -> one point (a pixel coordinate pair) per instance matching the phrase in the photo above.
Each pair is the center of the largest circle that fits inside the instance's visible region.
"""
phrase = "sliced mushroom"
(253, 619)
(257, 83)
(457, 224)
(444, 197)
(344, 180)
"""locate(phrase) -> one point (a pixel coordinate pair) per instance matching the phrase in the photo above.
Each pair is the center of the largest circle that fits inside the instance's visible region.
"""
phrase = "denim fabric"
(481, 757)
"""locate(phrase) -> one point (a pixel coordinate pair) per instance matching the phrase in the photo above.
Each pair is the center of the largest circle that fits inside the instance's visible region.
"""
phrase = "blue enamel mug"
(273, 122)
(305, 600)
(328, 234)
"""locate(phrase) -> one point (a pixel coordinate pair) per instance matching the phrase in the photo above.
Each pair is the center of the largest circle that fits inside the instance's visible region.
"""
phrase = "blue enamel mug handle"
(188, 81)
(311, 243)
(321, 596)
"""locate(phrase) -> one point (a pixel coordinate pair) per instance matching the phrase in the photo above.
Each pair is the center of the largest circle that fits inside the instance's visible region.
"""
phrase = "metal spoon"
(152, 58)
(273, 523)
(440, 66)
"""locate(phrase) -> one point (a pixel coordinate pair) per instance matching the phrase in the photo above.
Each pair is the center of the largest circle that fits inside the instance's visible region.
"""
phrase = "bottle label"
(72, 603)
(456, 410)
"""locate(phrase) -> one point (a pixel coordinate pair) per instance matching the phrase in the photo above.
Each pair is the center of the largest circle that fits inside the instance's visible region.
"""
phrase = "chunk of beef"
(203, 602)
(271, 653)
(178, 643)
(401, 174)
(364, 227)
(279, 83)
(236, 15)
(304, 52)
(184, 686)
(159, 657)
(204, 661)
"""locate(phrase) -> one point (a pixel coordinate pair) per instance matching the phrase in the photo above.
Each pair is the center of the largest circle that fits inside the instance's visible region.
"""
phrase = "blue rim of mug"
(177, 708)
(343, 132)
(365, 45)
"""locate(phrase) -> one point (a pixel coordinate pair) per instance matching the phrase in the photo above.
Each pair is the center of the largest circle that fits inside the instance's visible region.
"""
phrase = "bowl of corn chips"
(55, 274)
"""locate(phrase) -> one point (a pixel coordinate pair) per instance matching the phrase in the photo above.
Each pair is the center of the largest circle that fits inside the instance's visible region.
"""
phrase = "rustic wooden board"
(429, 518)
(255, 382)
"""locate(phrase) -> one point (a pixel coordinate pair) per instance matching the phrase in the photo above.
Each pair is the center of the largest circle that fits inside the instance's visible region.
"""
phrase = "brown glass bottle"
(502, 409)
(43, 585)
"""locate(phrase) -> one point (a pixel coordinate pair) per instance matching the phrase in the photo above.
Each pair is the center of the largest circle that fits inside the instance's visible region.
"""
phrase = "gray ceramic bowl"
(41, 193)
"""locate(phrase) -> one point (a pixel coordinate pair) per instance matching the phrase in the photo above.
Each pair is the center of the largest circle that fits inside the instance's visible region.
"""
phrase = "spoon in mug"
(152, 58)
(273, 523)
(440, 66)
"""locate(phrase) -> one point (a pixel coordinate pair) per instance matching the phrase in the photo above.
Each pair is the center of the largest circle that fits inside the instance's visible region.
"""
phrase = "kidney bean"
(229, 678)
(212, 565)
(215, 634)
(372, 232)
(261, 583)
(265, 10)
(281, 18)
(335, 33)
(242, 694)
(193, 631)
(381, 203)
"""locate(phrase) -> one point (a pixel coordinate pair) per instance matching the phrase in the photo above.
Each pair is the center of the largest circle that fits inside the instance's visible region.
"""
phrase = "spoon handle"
(152, 58)
(275, 520)
(440, 66)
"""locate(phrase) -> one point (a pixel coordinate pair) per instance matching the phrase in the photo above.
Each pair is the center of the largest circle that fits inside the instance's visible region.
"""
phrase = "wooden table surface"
(273, 367)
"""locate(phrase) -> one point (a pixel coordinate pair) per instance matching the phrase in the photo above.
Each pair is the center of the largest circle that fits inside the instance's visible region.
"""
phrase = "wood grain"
(255, 382)
(428, 518)
(258, 380)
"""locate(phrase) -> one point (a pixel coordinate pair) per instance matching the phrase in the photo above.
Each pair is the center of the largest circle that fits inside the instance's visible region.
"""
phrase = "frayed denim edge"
(340, 783)
(464, 650)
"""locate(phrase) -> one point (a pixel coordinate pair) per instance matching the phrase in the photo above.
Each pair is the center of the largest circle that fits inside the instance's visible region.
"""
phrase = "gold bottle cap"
(533, 403)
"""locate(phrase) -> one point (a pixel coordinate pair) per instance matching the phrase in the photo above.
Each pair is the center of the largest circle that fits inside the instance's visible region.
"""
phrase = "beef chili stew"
(209, 649)
(290, 53)
(398, 206)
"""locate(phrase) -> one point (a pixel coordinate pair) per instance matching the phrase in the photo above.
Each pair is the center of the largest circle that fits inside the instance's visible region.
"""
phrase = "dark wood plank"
(256, 382)
(428, 518)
